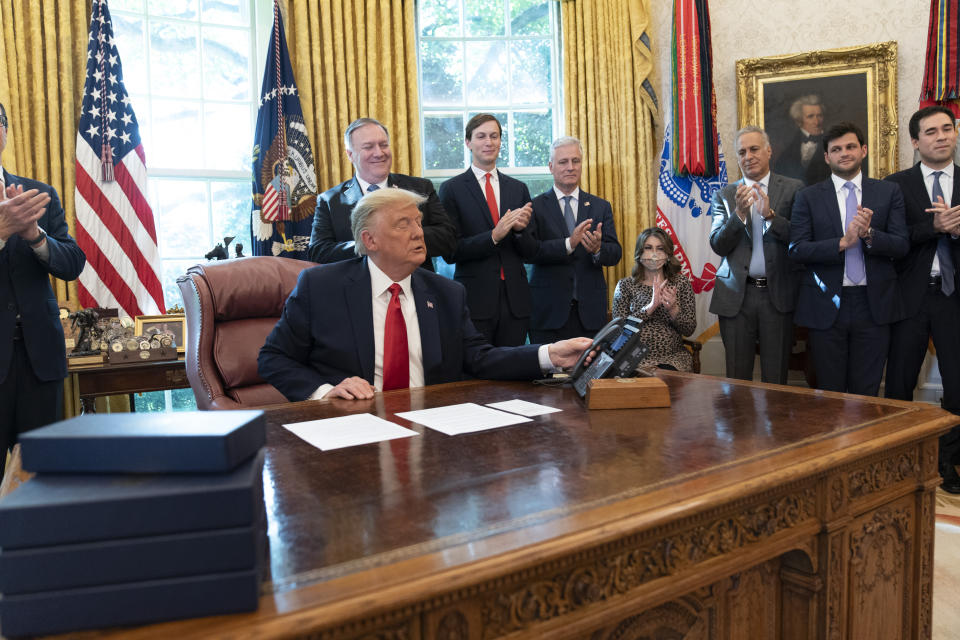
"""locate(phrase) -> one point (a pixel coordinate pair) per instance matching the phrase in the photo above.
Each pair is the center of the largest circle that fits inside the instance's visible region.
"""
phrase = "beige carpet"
(946, 568)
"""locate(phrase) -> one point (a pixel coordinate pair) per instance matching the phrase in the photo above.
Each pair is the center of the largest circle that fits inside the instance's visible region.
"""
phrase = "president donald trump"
(379, 322)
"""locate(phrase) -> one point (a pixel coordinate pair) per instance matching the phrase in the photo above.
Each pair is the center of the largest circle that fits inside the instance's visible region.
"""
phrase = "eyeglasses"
(3, 121)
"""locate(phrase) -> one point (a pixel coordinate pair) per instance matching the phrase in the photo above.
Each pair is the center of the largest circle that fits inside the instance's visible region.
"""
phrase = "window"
(490, 56)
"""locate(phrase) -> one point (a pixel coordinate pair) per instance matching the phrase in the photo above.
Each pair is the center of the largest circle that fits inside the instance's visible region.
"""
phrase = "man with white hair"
(378, 322)
(802, 158)
(575, 238)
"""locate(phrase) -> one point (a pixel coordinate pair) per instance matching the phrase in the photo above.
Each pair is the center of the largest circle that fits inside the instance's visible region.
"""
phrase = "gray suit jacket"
(731, 240)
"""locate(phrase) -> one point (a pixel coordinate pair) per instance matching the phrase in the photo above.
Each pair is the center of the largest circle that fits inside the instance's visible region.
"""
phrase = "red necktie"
(396, 356)
(494, 212)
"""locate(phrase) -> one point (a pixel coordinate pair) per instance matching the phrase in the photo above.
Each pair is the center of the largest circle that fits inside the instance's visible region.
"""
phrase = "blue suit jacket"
(25, 289)
(815, 232)
(325, 334)
(331, 239)
(552, 276)
(478, 259)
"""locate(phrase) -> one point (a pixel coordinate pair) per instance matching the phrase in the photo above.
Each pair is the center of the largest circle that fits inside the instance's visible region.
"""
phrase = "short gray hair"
(372, 203)
(356, 124)
(563, 142)
(811, 100)
(750, 128)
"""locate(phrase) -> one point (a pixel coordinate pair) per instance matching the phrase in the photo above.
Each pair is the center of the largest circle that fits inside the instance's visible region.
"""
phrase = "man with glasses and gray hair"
(367, 144)
(34, 244)
(575, 238)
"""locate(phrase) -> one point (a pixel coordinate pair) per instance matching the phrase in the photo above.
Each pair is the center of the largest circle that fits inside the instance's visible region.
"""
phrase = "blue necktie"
(758, 266)
(372, 188)
(853, 256)
(568, 216)
(947, 272)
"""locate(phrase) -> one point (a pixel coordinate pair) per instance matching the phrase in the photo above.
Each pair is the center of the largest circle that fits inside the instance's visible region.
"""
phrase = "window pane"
(439, 18)
(183, 400)
(226, 64)
(174, 59)
(530, 67)
(128, 32)
(529, 18)
(231, 213)
(235, 12)
(503, 159)
(184, 227)
(441, 67)
(225, 144)
(533, 133)
(176, 144)
(484, 17)
(124, 5)
(173, 269)
(141, 108)
(186, 9)
(443, 141)
(486, 80)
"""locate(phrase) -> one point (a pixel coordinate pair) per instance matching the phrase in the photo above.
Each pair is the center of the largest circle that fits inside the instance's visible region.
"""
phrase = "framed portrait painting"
(797, 97)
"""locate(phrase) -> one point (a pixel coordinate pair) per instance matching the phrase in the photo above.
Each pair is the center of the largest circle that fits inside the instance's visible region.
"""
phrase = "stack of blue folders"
(134, 518)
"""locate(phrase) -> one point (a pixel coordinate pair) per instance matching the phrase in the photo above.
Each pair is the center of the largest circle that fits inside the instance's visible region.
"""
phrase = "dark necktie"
(396, 356)
(568, 216)
(947, 272)
(372, 188)
(492, 205)
(853, 256)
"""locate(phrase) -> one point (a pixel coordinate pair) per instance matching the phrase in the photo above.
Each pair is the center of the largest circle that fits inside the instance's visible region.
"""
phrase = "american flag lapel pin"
(429, 305)
(587, 203)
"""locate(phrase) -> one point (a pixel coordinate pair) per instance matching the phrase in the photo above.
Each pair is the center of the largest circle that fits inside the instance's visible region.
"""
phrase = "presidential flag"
(284, 178)
(114, 221)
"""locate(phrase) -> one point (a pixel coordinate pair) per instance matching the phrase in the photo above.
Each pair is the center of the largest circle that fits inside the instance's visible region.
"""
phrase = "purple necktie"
(853, 256)
(947, 272)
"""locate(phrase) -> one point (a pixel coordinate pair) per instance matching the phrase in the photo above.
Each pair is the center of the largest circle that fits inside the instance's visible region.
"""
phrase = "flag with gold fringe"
(941, 74)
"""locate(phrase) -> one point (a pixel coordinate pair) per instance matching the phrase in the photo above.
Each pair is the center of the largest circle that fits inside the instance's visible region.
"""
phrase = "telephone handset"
(618, 351)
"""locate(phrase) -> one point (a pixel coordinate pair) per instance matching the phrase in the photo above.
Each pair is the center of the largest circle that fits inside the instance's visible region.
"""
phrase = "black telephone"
(618, 352)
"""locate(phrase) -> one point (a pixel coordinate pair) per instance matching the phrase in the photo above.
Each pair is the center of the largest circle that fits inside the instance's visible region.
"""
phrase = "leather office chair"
(230, 308)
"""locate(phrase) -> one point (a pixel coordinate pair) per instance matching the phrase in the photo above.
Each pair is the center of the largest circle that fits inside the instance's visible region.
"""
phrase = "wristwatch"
(39, 239)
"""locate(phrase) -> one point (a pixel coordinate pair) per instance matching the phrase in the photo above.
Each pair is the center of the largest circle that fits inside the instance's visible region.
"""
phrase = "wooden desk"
(744, 511)
(92, 380)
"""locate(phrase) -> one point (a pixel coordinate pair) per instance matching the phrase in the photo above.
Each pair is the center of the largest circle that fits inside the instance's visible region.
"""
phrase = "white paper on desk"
(348, 431)
(523, 407)
(462, 418)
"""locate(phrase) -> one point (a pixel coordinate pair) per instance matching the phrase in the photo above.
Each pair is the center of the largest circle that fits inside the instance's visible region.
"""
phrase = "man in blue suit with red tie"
(576, 238)
(34, 244)
(846, 232)
(378, 322)
(491, 212)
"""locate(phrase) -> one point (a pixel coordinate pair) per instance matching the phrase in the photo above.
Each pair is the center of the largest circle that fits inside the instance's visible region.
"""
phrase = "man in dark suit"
(368, 147)
(34, 244)
(575, 238)
(755, 289)
(491, 211)
(801, 158)
(928, 273)
(380, 323)
(846, 232)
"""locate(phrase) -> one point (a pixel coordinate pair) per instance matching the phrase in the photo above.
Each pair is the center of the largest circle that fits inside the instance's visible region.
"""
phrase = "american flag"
(114, 221)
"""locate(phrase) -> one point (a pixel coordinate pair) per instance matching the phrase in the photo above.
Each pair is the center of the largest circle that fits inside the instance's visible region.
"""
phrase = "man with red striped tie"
(380, 322)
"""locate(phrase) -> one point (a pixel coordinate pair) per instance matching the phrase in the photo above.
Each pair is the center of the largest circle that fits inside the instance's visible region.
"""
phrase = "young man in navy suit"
(367, 143)
(928, 273)
(379, 322)
(575, 238)
(34, 244)
(846, 232)
(491, 212)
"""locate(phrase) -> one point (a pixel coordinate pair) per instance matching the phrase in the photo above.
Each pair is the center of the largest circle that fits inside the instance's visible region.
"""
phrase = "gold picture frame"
(858, 84)
(175, 324)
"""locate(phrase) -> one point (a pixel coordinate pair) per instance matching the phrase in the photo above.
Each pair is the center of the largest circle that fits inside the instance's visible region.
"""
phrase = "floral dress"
(661, 333)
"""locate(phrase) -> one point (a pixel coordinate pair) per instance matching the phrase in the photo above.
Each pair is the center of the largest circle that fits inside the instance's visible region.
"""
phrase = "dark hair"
(478, 120)
(926, 112)
(670, 268)
(839, 130)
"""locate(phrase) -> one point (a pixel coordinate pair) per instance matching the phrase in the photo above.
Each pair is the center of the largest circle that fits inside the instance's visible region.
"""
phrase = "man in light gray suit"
(755, 289)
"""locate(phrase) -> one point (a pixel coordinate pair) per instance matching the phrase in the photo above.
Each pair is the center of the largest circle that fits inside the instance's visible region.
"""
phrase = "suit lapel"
(555, 215)
(428, 319)
(351, 192)
(832, 207)
(360, 308)
(473, 188)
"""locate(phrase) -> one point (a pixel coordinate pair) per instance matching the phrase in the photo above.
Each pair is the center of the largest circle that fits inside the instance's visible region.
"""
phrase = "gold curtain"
(352, 59)
(609, 105)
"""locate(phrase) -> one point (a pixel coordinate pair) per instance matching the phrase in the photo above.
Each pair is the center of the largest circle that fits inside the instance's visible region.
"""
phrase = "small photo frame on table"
(856, 84)
(174, 325)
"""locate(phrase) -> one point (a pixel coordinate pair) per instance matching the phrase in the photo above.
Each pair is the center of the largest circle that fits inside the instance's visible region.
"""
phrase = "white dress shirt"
(574, 204)
(946, 184)
(838, 183)
(494, 182)
(365, 186)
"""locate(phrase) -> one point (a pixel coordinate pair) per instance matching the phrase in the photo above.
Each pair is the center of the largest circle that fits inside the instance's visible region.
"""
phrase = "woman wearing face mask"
(661, 296)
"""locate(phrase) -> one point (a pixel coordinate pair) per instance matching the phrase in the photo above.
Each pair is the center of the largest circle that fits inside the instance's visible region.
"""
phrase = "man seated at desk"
(378, 322)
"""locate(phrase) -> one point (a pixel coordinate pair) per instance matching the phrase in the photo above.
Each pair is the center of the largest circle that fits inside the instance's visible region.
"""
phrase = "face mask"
(652, 263)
